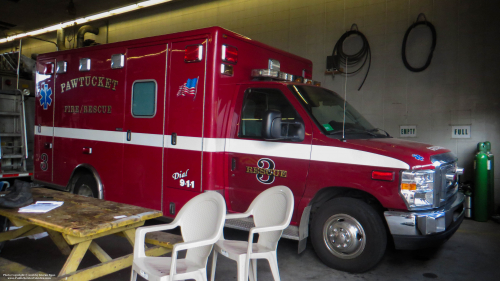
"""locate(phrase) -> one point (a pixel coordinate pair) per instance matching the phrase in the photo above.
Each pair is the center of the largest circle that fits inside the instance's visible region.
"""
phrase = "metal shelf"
(11, 156)
(9, 113)
(10, 135)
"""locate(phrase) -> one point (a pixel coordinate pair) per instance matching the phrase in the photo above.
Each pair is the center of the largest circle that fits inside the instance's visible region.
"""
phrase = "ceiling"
(17, 16)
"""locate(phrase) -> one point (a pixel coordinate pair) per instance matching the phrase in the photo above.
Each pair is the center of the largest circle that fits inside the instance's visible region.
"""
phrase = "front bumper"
(421, 229)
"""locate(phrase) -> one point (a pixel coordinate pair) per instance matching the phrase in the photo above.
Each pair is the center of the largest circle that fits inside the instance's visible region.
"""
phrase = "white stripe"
(214, 145)
(185, 143)
(44, 131)
(146, 139)
(354, 157)
(86, 134)
(276, 149)
(272, 149)
(7, 175)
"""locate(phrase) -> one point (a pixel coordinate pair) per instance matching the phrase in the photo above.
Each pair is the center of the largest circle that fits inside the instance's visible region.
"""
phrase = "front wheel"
(348, 234)
(86, 186)
(4, 227)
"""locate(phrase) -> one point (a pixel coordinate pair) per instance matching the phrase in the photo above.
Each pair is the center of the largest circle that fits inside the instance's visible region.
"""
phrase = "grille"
(446, 178)
(449, 182)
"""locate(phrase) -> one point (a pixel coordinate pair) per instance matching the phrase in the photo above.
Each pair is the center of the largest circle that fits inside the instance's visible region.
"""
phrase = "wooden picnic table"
(78, 222)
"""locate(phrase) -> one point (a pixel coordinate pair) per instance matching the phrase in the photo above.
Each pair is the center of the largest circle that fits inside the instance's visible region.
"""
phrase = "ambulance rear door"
(44, 120)
(184, 128)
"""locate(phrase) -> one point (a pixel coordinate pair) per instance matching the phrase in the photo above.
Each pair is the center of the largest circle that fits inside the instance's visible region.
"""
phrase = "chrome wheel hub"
(344, 236)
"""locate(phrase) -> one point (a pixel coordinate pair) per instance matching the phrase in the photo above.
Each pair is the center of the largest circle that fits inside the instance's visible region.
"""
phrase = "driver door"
(256, 164)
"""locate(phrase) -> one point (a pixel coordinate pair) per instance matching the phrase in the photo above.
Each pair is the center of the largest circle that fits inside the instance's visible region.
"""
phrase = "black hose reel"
(339, 58)
(433, 46)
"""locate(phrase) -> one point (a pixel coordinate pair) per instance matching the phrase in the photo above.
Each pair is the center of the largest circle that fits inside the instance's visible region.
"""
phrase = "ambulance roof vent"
(117, 61)
(61, 67)
(84, 64)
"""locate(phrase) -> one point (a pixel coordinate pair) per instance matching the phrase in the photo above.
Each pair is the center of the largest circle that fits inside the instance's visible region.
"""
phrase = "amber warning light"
(383, 176)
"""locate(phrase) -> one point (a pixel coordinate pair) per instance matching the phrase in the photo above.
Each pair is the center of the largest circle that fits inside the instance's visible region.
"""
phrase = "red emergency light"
(383, 176)
(48, 68)
(193, 53)
(307, 74)
(229, 54)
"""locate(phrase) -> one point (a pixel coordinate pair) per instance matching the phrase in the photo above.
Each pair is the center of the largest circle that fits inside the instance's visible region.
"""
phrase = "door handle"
(174, 139)
(129, 135)
(233, 163)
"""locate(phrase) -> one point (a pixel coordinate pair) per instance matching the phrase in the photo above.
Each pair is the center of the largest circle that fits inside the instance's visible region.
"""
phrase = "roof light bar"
(269, 73)
(278, 75)
(98, 16)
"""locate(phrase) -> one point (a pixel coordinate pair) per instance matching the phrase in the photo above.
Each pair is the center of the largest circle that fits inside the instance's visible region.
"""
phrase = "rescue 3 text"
(269, 172)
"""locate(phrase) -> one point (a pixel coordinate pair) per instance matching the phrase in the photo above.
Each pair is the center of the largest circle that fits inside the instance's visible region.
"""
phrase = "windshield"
(327, 110)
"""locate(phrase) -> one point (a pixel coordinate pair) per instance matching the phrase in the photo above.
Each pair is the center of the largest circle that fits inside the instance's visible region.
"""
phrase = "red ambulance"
(153, 122)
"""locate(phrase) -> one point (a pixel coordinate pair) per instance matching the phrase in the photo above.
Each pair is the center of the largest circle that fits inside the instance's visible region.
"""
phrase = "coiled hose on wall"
(342, 59)
(433, 46)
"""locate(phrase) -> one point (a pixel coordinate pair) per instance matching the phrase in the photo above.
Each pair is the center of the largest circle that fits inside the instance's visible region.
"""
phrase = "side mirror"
(271, 124)
(273, 128)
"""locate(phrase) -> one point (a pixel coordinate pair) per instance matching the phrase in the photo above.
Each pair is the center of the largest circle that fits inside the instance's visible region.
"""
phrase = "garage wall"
(459, 88)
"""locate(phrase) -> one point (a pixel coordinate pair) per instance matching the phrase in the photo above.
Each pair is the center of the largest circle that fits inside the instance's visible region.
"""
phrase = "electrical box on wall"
(460, 132)
(408, 131)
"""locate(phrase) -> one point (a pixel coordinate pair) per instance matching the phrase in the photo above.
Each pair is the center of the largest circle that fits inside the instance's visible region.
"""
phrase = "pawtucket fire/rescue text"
(87, 108)
(87, 81)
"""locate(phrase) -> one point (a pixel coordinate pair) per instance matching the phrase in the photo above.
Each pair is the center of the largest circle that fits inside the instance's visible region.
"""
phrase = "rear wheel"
(86, 186)
(348, 234)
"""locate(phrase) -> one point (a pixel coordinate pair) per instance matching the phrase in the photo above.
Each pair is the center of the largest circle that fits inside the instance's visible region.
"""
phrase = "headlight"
(417, 188)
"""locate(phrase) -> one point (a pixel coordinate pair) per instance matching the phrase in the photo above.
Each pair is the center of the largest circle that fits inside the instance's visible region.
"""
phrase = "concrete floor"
(473, 253)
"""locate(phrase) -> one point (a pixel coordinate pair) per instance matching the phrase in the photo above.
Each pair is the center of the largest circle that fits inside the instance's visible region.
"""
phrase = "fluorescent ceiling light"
(102, 15)
(124, 9)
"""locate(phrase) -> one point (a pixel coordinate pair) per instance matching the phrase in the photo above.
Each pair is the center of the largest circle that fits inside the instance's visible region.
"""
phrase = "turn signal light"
(229, 54)
(408, 186)
(383, 176)
(193, 53)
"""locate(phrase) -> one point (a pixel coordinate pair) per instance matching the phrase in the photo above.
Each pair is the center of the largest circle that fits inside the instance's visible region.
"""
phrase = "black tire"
(4, 227)
(86, 186)
(332, 241)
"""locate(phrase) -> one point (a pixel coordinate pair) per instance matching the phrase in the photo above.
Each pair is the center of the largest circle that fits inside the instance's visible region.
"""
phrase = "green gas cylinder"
(480, 206)
(491, 179)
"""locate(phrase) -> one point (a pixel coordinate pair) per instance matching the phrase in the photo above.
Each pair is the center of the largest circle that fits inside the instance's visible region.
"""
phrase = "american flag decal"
(188, 88)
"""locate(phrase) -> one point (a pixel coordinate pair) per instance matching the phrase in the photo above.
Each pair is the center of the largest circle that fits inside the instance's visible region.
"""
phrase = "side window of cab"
(256, 102)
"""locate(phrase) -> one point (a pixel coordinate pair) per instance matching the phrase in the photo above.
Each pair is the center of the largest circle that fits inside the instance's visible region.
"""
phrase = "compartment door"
(144, 111)
(44, 120)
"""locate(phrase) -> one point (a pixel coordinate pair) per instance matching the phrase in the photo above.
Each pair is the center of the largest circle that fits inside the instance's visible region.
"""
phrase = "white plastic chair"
(272, 211)
(201, 221)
